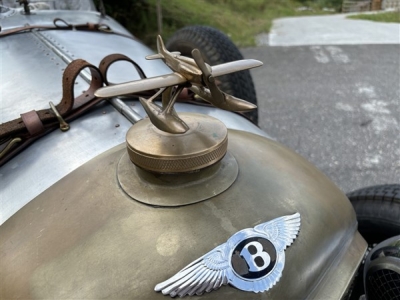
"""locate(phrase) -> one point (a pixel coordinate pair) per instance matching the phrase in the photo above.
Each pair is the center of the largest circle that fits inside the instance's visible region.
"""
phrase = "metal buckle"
(7, 148)
(64, 126)
(105, 28)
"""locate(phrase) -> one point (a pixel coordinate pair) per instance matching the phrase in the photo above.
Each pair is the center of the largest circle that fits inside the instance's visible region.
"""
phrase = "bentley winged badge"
(251, 260)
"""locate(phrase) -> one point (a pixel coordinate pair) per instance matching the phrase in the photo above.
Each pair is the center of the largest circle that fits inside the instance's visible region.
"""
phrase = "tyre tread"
(378, 211)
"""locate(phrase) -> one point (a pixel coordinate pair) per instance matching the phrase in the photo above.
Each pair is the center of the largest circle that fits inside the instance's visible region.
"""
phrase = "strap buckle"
(64, 126)
(8, 147)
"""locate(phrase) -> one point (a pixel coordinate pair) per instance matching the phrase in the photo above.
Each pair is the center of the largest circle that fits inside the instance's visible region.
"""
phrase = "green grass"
(241, 20)
(390, 17)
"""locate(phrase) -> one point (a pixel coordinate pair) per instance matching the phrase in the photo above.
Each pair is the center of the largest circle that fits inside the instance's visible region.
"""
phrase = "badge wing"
(207, 273)
(281, 231)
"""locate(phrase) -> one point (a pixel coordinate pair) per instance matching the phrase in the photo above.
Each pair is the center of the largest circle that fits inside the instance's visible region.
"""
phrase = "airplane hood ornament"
(195, 74)
(251, 260)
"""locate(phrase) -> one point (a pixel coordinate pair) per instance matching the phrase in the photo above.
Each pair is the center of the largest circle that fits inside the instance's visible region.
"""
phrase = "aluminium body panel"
(54, 156)
(32, 65)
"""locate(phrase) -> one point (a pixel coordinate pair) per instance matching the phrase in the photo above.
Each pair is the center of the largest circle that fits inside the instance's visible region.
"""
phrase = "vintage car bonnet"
(211, 210)
(112, 229)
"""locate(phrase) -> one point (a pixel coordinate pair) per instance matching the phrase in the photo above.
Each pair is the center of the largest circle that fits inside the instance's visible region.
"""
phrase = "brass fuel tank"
(87, 237)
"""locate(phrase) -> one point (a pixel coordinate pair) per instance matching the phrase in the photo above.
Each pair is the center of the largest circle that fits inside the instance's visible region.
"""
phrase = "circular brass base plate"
(176, 189)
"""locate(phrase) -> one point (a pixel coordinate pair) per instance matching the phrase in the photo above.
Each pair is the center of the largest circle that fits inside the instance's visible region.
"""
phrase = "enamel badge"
(251, 260)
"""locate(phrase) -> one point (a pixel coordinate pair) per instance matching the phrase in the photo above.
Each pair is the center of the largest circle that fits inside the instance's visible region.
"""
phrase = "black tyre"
(217, 48)
(378, 211)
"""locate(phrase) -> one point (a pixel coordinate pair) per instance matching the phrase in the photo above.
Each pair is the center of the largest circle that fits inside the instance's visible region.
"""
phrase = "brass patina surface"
(176, 189)
(203, 145)
(192, 73)
(84, 238)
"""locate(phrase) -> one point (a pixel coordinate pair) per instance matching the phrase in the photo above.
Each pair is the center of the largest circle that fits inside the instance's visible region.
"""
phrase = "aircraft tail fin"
(160, 56)
(161, 50)
(160, 46)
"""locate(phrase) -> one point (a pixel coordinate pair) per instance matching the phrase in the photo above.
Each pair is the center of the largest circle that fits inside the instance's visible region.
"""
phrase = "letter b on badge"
(255, 257)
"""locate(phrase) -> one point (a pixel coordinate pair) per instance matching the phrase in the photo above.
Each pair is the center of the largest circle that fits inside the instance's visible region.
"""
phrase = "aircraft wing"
(172, 79)
(234, 66)
(140, 85)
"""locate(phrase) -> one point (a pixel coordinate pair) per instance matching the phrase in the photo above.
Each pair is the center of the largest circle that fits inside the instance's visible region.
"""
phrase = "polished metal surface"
(192, 72)
(203, 145)
(345, 262)
(57, 154)
(37, 74)
(85, 229)
(185, 69)
(85, 237)
(260, 251)
(88, 137)
(33, 78)
(26, 81)
(172, 190)
(85, 5)
(231, 120)
(47, 17)
(140, 85)
(165, 117)
(75, 44)
(124, 109)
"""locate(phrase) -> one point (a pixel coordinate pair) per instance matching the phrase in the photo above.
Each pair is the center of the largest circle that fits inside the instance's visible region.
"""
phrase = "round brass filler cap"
(203, 145)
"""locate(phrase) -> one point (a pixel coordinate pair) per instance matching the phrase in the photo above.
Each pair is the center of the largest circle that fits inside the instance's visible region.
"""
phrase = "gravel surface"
(338, 106)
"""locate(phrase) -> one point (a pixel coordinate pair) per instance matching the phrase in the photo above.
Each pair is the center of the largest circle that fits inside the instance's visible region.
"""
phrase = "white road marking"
(366, 90)
(383, 123)
(338, 55)
(376, 109)
(319, 54)
(344, 106)
(372, 160)
(329, 53)
(397, 162)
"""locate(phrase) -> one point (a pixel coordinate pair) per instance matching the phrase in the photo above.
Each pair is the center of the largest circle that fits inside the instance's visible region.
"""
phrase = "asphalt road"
(338, 106)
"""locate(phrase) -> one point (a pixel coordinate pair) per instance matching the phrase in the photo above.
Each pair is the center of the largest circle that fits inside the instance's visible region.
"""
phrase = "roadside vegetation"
(240, 20)
(390, 17)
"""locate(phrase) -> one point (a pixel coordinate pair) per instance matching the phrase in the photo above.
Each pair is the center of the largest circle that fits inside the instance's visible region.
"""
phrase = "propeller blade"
(207, 77)
(198, 58)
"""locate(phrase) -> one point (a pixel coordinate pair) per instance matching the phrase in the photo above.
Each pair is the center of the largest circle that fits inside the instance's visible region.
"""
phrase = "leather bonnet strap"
(35, 124)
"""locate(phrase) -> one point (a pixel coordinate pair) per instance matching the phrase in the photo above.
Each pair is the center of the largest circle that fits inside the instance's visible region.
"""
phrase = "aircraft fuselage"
(185, 66)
